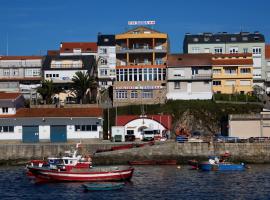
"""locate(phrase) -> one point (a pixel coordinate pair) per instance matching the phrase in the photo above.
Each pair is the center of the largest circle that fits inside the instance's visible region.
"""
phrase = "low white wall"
(188, 96)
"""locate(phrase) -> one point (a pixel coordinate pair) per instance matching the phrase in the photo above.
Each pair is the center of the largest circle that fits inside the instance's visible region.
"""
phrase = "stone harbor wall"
(182, 152)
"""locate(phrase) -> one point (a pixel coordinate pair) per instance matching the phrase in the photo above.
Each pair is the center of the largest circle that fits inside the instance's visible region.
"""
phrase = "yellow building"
(232, 73)
(141, 55)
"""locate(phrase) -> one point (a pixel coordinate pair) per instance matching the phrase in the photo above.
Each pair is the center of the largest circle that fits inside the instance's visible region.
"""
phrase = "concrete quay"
(16, 154)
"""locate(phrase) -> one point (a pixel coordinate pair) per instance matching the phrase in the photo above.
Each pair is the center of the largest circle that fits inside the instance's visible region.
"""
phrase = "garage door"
(30, 134)
(58, 133)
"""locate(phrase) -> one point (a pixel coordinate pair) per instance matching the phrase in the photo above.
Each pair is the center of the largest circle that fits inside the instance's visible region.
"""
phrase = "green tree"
(84, 86)
(47, 90)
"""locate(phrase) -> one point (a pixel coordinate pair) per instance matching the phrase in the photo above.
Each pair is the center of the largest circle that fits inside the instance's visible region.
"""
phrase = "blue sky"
(34, 26)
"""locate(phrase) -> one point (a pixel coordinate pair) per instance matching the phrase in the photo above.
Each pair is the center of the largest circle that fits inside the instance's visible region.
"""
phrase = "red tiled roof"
(7, 95)
(267, 51)
(185, 60)
(20, 57)
(165, 120)
(21, 79)
(84, 46)
(58, 112)
(232, 62)
(140, 66)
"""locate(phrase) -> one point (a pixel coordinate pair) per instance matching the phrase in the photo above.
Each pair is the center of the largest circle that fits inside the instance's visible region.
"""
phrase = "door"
(30, 134)
(58, 133)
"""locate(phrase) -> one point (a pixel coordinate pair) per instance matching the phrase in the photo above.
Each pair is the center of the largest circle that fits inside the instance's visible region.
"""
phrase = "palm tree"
(47, 90)
(83, 85)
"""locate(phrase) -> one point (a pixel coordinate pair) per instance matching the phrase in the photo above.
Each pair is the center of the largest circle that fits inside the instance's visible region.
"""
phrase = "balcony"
(141, 49)
(64, 66)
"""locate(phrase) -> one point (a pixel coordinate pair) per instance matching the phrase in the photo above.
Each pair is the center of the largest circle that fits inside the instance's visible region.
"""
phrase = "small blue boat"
(222, 166)
(103, 186)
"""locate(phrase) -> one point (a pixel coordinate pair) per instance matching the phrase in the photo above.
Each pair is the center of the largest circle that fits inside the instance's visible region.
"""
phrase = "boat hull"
(221, 167)
(103, 186)
(91, 175)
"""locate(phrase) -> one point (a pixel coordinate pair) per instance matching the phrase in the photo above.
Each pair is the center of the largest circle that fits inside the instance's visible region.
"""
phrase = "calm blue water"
(150, 182)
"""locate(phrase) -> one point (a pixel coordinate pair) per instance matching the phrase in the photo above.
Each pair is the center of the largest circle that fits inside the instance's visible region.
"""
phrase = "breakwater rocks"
(182, 152)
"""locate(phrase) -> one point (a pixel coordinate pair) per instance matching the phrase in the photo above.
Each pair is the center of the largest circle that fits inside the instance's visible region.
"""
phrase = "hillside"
(196, 115)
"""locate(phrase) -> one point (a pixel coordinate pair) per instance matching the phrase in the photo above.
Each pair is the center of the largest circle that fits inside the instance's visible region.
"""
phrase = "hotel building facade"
(141, 56)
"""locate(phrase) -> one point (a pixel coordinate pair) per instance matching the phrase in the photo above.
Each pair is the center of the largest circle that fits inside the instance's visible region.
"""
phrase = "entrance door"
(30, 134)
(58, 133)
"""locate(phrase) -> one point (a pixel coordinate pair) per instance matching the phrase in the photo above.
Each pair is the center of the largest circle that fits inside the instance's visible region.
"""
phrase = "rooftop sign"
(131, 23)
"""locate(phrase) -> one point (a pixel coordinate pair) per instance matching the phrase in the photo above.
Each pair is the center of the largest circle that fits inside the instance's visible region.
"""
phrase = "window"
(234, 50)
(245, 38)
(103, 50)
(256, 50)
(216, 71)
(245, 82)
(130, 132)
(218, 50)
(6, 72)
(230, 82)
(134, 94)
(94, 127)
(5, 110)
(140, 74)
(15, 72)
(195, 39)
(233, 39)
(121, 94)
(216, 82)
(177, 85)
(159, 74)
(159, 61)
(6, 129)
(195, 49)
(125, 75)
(145, 75)
(103, 72)
(135, 75)
(150, 71)
(86, 128)
(77, 127)
(195, 71)
(245, 70)
(155, 75)
(231, 71)
(147, 94)
(36, 72)
(130, 75)
(245, 50)
(103, 61)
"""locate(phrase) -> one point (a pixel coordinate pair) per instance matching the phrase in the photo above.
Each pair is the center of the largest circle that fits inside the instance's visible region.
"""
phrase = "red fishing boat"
(115, 173)
(74, 167)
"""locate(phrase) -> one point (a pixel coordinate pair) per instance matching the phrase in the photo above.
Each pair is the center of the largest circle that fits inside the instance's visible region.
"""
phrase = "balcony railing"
(201, 76)
(143, 49)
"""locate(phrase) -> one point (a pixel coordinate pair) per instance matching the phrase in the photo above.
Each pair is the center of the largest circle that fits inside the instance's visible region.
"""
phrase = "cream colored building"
(249, 125)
